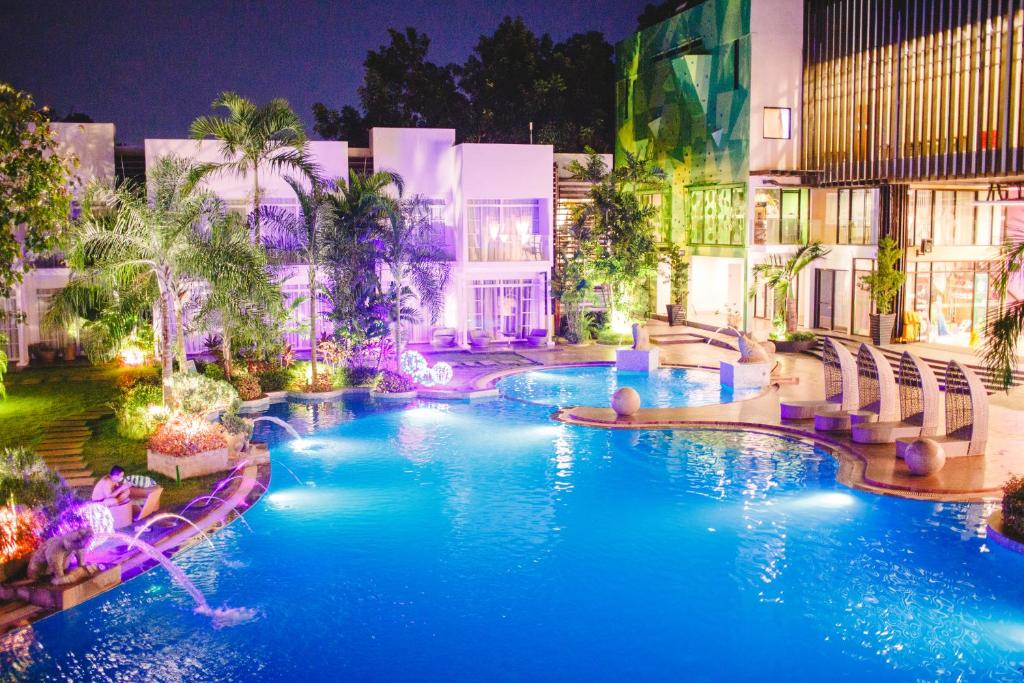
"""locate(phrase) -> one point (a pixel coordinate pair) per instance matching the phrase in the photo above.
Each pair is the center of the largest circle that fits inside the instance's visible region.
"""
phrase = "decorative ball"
(924, 457)
(625, 402)
(441, 373)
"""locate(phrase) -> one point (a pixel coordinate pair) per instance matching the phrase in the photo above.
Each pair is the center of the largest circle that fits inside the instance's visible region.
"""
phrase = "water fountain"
(170, 515)
(280, 423)
(221, 616)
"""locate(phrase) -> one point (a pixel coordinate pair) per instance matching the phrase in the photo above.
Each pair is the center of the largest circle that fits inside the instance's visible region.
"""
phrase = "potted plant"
(793, 342)
(44, 351)
(781, 277)
(680, 286)
(884, 283)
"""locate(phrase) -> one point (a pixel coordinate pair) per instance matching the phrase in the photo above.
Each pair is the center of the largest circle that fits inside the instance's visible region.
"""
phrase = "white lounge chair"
(966, 415)
(442, 337)
(537, 337)
(479, 339)
(877, 396)
(919, 406)
(840, 370)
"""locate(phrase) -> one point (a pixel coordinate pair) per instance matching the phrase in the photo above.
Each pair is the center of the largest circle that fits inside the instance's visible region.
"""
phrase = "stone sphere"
(924, 457)
(625, 402)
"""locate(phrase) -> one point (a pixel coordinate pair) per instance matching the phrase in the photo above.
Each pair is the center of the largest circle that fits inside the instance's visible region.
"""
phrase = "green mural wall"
(683, 103)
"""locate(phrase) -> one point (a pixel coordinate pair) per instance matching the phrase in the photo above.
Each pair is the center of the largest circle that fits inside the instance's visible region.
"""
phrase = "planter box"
(676, 314)
(188, 466)
(402, 395)
(783, 346)
(637, 360)
(882, 327)
(744, 375)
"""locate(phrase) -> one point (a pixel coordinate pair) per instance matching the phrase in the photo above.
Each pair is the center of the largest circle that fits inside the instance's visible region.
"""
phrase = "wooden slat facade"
(913, 90)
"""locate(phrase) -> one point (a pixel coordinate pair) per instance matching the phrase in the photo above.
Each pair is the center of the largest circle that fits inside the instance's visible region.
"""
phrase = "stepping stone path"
(61, 447)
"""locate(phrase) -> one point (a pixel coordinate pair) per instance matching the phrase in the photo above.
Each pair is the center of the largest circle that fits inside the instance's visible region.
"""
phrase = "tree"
(35, 180)
(348, 124)
(252, 137)
(407, 246)
(615, 231)
(307, 235)
(160, 240)
(241, 300)
(357, 210)
(1005, 328)
(780, 276)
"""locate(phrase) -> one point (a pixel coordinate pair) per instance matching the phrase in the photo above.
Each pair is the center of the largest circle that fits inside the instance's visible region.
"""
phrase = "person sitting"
(112, 490)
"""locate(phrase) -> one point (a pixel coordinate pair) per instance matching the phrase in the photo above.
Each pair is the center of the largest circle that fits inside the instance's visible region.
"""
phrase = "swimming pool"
(483, 541)
(594, 385)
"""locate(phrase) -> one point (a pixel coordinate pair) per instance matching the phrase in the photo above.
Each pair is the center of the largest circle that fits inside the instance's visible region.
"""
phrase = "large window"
(717, 215)
(504, 307)
(504, 230)
(849, 216)
(950, 218)
(952, 300)
(780, 216)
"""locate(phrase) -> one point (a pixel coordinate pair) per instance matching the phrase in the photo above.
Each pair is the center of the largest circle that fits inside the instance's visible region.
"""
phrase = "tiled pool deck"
(870, 467)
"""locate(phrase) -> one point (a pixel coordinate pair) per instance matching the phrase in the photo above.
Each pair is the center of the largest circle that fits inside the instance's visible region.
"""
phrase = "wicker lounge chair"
(919, 406)
(840, 370)
(877, 397)
(537, 337)
(966, 414)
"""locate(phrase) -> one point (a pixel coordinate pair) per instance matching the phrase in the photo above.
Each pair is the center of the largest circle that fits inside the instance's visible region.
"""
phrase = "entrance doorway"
(824, 298)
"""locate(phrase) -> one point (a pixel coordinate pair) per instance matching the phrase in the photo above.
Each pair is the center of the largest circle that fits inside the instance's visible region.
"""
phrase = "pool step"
(16, 613)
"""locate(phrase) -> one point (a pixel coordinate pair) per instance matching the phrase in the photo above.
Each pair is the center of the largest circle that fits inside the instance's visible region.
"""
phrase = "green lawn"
(64, 391)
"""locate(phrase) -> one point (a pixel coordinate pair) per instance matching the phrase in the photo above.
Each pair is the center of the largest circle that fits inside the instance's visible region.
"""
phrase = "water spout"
(280, 423)
(223, 616)
(170, 515)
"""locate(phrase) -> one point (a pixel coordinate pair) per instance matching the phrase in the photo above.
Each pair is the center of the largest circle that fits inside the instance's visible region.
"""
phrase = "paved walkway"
(61, 447)
(873, 468)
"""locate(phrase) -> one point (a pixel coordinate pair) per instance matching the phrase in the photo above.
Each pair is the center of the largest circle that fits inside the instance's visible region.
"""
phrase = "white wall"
(776, 69)
(422, 156)
(331, 156)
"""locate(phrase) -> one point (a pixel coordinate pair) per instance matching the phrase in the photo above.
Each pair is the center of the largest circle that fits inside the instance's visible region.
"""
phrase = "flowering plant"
(392, 382)
(186, 435)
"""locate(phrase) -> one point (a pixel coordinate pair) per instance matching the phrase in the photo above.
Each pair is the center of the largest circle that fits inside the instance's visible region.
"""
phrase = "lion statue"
(753, 351)
(52, 556)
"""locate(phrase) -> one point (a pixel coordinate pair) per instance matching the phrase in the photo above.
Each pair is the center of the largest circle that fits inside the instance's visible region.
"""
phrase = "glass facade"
(504, 230)
(849, 217)
(780, 216)
(504, 307)
(950, 218)
(952, 299)
(717, 215)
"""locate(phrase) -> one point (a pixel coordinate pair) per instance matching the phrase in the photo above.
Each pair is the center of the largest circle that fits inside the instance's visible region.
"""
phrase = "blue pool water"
(594, 386)
(431, 541)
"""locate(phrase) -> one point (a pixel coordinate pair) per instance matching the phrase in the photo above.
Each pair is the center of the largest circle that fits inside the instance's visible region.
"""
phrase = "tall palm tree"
(162, 238)
(780, 276)
(409, 249)
(251, 136)
(306, 234)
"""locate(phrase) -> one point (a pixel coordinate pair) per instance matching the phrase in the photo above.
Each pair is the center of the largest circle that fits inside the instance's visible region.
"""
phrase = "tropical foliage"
(252, 138)
(780, 275)
(35, 186)
(886, 280)
(1007, 327)
(140, 411)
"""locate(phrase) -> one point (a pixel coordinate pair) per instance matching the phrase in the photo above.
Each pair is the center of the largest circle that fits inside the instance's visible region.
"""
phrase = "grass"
(30, 408)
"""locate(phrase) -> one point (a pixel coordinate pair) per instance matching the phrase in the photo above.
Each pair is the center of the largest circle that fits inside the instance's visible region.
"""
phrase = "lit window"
(777, 123)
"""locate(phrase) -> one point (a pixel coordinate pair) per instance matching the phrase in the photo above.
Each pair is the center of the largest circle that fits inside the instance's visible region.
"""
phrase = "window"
(779, 216)
(504, 230)
(849, 216)
(950, 218)
(777, 123)
(504, 307)
(717, 215)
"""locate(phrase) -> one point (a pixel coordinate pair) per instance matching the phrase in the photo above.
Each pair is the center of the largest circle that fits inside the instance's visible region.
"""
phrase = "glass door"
(824, 298)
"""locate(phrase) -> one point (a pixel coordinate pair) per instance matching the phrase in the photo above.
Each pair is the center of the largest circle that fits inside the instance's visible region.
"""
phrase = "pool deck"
(869, 467)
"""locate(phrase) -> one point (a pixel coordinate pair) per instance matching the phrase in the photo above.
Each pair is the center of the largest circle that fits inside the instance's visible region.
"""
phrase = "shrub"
(196, 394)
(236, 424)
(274, 379)
(129, 378)
(800, 336)
(214, 371)
(248, 387)
(607, 336)
(140, 411)
(392, 382)
(187, 435)
(25, 480)
(327, 378)
(363, 376)
(1013, 507)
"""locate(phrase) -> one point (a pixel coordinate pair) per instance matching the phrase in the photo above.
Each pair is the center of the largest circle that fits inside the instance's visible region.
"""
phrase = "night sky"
(151, 67)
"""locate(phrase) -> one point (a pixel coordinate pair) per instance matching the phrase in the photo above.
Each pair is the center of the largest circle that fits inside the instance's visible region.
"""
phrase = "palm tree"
(1005, 328)
(241, 299)
(250, 137)
(159, 239)
(307, 235)
(407, 246)
(781, 277)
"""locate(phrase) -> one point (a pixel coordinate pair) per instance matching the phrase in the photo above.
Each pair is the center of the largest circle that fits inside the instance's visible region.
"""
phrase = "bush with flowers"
(392, 382)
(186, 435)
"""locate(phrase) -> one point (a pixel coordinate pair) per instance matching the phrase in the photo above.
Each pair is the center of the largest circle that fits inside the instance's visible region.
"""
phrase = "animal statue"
(752, 351)
(641, 337)
(52, 556)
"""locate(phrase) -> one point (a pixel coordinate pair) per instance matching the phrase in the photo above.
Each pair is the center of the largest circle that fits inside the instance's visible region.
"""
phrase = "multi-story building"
(711, 97)
(913, 127)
